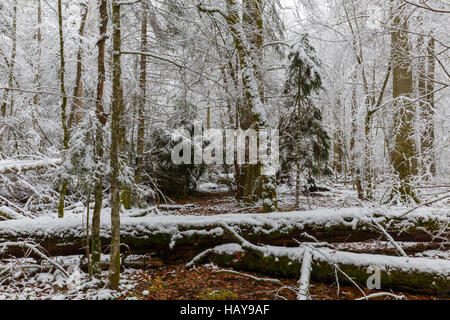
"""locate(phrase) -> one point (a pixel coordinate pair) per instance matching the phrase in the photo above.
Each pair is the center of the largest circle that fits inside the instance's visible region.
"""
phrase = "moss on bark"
(285, 267)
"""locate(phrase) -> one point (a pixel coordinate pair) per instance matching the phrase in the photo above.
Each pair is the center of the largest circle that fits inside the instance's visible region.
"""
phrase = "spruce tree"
(305, 144)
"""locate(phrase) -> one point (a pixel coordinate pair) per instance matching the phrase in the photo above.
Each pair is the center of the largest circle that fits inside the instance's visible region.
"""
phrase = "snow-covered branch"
(257, 279)
(303, 290)
(18, 166)
(36, 250)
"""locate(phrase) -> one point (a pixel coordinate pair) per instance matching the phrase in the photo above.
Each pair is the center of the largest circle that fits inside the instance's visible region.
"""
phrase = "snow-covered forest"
(224, 149)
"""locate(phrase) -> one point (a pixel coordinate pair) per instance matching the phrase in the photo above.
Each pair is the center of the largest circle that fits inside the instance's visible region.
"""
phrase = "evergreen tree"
(304, 141)
(173, 180)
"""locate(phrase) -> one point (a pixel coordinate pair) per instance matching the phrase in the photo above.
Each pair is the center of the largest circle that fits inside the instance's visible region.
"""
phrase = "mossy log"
(179, 238)
(412, 274)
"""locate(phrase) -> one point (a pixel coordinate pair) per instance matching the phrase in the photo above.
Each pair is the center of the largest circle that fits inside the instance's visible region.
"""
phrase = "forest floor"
(213, 200)
(175, 282)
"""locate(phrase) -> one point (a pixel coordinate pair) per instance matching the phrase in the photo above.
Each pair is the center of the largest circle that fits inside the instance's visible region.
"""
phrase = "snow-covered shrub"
(176, 180)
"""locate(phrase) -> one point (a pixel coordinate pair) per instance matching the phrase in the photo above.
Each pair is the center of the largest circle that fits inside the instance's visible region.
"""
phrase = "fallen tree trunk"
(193, 234)
(18, 166)
(413, 274)
(420, 274)
(136, 262)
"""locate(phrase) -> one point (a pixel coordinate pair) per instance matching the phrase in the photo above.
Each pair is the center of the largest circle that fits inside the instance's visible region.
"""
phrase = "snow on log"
(168, 233)
(415, 274)
(18, 166)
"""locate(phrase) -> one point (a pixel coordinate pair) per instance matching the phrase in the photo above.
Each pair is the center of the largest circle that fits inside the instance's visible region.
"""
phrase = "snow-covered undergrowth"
(29, 285)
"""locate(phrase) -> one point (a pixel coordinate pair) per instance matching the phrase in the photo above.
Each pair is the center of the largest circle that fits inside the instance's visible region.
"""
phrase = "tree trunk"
(142, 100)
(403, 156)
(427, 136)
(297, 184)
(354, 165)
(193, 234)
(252, 37)
(338, 153)
(62, 193)
(254, 101)
(368, 155)
(75, 111)
(12, 63)
(39, 41)
(101, 117)
(116, 140)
